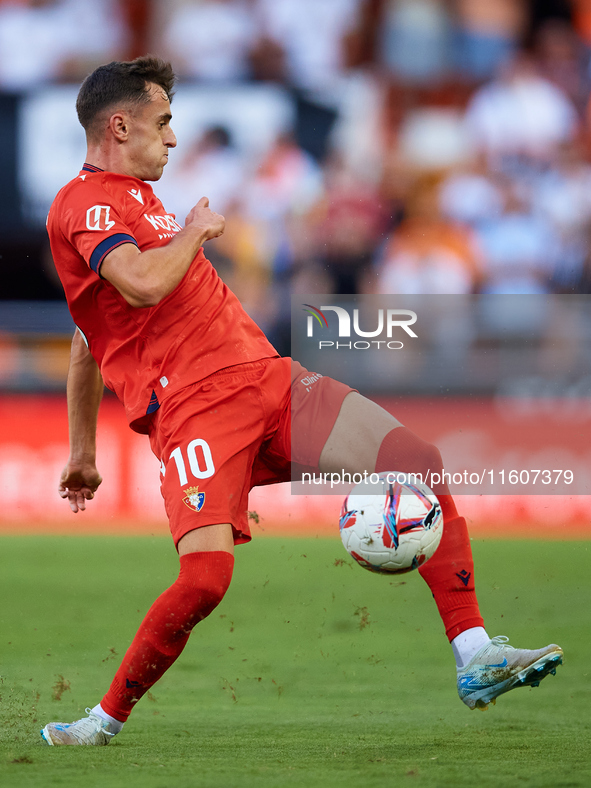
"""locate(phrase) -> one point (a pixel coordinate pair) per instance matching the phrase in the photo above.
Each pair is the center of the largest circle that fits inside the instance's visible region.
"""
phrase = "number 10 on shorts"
(200, 463)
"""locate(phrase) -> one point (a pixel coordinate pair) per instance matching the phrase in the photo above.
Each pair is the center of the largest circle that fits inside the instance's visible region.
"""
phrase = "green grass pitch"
(312, 672)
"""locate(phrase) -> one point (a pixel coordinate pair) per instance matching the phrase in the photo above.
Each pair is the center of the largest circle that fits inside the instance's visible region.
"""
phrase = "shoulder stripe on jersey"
(106, 246)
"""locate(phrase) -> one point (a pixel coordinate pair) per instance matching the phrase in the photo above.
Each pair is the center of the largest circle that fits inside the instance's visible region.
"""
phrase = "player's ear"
(118, 123)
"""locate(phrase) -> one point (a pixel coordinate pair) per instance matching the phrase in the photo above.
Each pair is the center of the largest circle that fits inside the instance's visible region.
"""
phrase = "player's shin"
(202, 582)
(450, 572)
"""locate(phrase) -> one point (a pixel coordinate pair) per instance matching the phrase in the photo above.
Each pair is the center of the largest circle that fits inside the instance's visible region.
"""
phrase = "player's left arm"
(80, 478)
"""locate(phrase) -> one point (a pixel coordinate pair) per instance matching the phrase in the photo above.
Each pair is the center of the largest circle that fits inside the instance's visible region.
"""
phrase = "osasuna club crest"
(194, 499)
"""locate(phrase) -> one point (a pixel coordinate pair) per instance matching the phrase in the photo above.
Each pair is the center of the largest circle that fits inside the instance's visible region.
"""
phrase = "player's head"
(119, 84)
(129, 102)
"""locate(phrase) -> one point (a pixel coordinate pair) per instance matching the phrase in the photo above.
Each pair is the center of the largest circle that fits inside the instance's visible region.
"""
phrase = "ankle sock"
(115, 726)
(467, 643)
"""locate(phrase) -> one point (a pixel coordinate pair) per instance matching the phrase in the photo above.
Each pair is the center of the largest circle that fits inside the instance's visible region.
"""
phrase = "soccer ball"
(392, 526)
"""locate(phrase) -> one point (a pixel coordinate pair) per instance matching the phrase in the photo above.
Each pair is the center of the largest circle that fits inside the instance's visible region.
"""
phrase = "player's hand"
(211, 224)
(78, 484)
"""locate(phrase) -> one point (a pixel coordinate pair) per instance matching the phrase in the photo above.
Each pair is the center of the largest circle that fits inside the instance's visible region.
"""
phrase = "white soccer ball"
(392, 526)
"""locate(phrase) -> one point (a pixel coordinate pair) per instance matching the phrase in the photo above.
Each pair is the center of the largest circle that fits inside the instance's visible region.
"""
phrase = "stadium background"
(355, 146)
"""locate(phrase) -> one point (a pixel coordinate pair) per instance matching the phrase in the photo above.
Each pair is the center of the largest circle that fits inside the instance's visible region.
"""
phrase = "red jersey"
(145, 354)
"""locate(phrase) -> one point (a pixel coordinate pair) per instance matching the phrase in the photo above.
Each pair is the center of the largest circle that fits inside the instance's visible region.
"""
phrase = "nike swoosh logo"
(500, 664)
(469, 683)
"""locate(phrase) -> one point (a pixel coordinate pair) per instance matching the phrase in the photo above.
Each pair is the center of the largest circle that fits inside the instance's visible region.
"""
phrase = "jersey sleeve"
(93, 222)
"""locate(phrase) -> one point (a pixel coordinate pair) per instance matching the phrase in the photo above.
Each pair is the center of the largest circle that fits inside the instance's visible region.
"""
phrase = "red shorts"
(222, 436)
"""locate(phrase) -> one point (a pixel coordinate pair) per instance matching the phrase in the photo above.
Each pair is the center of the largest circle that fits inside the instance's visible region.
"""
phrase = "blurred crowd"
(465, 168)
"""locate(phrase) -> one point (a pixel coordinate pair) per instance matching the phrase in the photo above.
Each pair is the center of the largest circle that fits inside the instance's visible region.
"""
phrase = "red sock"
(450, 572)
(202, 582)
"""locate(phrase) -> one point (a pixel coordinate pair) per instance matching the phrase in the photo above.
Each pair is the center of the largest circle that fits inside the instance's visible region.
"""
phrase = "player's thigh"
(207, 539)
(356, 436)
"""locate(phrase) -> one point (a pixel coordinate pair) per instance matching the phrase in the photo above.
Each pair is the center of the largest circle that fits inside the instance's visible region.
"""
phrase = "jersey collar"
(91, 168)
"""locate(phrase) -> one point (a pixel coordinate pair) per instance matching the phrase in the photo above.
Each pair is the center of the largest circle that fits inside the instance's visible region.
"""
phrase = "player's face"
(150, 136)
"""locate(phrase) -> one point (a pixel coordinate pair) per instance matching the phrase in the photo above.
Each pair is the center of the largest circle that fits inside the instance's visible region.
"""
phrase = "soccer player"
(194, 372)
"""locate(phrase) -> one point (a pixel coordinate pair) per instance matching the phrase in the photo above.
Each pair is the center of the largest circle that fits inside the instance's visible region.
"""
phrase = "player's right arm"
(145, 278)
(80, 478)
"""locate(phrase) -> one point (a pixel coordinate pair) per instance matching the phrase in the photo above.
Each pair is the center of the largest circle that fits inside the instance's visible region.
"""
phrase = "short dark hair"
(121, 82)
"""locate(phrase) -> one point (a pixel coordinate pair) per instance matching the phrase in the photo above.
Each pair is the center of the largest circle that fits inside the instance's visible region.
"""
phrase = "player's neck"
(109, 160)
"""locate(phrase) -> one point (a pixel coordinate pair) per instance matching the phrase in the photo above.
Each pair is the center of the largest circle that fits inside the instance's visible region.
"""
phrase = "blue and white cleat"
(498, 667)
(90, 730)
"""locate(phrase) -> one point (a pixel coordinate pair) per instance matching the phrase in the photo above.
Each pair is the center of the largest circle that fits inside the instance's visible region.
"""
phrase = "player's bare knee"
(357, 436)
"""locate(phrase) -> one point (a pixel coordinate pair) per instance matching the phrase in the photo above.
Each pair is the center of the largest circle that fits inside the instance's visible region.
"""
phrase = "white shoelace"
(88, 726)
